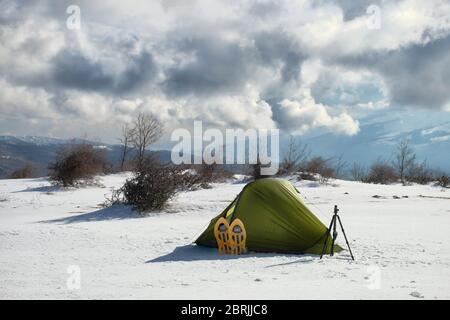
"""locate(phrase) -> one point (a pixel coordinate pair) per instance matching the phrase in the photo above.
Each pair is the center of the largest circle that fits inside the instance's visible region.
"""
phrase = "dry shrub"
(155, 183)
(381, 173)
(296, 155)
(27, 171)
(307, 176)
(211, 173)
(152, 186)
(255, 170)
(320, 168)
(77, 164)
(127, 166)
(444, 181)
(419, 173)
(358, 172)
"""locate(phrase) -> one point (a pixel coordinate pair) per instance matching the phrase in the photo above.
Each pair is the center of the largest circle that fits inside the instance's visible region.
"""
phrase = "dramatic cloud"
(215, 66)
(73, 70)
(295, 65)
(304, 115)
(418, 75)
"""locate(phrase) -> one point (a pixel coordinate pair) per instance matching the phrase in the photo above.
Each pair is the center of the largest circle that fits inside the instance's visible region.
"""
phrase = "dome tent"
(275, 218)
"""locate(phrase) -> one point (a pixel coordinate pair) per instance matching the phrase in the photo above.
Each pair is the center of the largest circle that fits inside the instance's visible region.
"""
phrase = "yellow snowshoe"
(222, 236)
(237, 237)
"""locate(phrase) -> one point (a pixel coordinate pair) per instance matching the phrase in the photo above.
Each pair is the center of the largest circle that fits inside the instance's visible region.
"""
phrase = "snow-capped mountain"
(46, 141)
(377, 140)
(32, 140)
(16, 151)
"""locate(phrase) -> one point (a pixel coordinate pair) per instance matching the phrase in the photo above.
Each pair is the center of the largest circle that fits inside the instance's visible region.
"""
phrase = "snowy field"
(401, 246)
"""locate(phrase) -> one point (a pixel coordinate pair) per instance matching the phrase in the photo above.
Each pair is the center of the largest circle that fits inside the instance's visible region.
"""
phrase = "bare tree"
(339, 166)
(146, 130)
(296, 155)
(404, 159)
(358, 172)
(125, 141)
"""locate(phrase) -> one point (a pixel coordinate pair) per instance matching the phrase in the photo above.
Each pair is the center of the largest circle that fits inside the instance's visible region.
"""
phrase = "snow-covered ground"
(47, 235)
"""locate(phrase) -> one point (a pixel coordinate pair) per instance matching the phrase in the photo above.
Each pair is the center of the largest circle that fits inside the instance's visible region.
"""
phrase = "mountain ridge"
(376, 140)
(39, 152)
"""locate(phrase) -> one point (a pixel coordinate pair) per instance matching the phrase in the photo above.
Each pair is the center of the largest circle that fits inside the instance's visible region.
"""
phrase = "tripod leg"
(326, 238)
(348, 245)
(334, 236)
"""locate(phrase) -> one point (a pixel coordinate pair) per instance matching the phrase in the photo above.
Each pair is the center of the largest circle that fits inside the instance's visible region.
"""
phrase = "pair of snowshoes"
(230, 237)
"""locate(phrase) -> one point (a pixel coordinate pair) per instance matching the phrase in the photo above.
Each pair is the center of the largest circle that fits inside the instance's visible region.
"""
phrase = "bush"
(255, 170)
(307, 176)
(381, 173)
(419, 173)
(155, 183)
(320, 167)
(444, 181)
(210, 173)
(296, 155)
(152, 186)
(77, 164)
(25, 172)
(358, 172)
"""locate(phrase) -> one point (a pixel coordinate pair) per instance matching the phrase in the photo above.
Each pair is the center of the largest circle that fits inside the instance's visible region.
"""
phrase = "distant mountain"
(16, 151)
(378, 140)
(39, 141)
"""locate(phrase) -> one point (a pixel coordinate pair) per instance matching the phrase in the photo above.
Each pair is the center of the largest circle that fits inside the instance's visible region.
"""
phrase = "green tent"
(275, 218)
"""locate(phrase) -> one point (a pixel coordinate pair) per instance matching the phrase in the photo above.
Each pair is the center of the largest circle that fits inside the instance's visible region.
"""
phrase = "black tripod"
(335, 234)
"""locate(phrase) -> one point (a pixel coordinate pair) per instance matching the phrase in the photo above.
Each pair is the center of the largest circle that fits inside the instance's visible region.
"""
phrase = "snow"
(40, 141)
(401, 246)
(48, 141)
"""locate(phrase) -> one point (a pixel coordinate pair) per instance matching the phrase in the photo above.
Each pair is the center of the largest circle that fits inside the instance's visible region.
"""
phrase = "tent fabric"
(275, 218)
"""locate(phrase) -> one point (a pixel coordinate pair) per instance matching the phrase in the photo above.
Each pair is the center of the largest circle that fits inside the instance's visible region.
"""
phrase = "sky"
(300, 66)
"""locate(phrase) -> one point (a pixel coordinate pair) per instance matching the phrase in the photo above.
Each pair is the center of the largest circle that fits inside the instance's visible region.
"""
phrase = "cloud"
(278, 49)
(295, 65)
(417, 76)
(350, 8)
(216, 65)
(26, 102)
(303, 115)
(74, 70)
